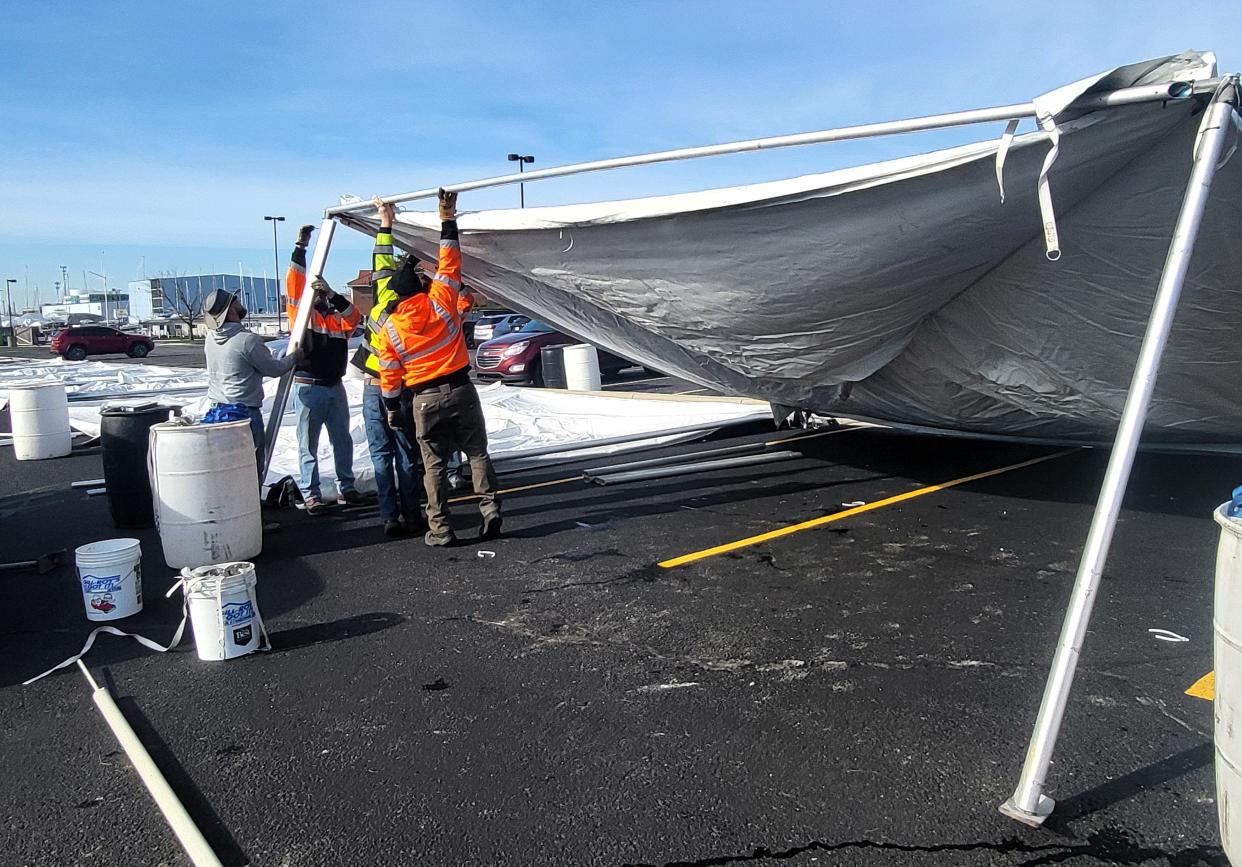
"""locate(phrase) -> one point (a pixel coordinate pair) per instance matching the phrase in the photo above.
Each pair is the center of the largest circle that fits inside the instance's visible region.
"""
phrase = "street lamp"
(8, 305)
(521, 160)
(276, 261)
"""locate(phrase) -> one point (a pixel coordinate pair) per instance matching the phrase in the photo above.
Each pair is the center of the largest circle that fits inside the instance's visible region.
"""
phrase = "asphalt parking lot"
(859, 692)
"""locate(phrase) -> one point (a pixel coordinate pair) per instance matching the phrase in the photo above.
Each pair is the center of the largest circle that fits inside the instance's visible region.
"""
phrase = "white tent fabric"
(518, 419)
(905, 291)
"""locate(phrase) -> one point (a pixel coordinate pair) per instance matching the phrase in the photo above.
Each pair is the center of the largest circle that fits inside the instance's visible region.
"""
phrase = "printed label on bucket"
(101, 583)
(237, 613)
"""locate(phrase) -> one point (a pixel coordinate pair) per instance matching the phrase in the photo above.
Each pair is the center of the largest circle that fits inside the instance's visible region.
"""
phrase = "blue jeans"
(260, 440)
(398, 492)
(322, 406)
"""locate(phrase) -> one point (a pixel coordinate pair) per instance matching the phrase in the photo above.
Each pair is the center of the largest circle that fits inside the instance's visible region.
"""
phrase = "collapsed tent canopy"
(907, 291)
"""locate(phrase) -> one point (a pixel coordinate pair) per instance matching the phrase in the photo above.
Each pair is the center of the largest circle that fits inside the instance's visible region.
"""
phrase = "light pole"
(8, 305)
(276, 262)
(521, 160)
(64, 283)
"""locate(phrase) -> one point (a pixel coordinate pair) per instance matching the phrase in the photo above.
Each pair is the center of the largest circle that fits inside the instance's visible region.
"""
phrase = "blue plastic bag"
(1234, 509)
(222, 412)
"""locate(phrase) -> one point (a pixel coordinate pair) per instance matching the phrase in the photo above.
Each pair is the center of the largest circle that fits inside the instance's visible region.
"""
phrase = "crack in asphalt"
(1108, 846)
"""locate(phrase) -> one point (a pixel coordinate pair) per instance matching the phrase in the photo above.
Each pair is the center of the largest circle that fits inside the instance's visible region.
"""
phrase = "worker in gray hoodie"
(237, 362)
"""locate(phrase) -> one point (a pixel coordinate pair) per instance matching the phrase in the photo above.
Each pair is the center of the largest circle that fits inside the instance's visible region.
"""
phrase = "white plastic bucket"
(110, 574)
(205, 489)
(581, 368)
(1227, 651)
(39, 416)
(224, 611)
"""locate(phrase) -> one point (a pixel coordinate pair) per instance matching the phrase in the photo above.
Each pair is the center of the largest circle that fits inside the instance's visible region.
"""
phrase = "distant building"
(82, 304)
(157, 297)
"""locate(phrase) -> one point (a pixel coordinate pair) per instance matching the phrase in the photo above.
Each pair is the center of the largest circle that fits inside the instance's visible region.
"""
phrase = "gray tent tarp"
(906, 291)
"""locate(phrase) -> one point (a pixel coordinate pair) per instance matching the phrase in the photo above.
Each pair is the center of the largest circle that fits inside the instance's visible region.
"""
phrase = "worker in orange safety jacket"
(319, 395)
(422, 353)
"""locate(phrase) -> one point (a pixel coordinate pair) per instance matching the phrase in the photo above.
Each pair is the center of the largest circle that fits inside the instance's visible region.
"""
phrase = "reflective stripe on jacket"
(421, 339)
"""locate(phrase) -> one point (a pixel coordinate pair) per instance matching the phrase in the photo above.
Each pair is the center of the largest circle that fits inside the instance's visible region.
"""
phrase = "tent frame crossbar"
(1029, 804)
(1113, 99)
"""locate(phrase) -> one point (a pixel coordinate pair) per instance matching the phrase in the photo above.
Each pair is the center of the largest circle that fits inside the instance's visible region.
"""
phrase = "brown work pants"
(449, 418)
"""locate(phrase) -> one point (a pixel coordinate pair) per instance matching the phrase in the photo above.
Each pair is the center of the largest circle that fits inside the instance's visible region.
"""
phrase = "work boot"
(490, 528)
(440, 540)
(315, 507)
(356, 498)
(393, 529)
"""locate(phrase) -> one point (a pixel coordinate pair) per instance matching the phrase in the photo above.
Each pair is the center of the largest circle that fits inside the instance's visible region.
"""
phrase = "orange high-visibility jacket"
(421, 340)
(341, 322)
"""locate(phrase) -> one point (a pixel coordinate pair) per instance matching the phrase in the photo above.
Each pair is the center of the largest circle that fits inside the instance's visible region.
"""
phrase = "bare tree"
(187, 305)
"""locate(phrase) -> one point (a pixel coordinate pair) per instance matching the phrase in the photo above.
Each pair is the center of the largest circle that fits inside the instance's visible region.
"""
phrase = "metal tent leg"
(1028, 803)
(297, 328)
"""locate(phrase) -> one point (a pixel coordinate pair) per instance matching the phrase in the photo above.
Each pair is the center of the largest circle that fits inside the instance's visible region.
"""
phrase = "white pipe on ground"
(196, 847)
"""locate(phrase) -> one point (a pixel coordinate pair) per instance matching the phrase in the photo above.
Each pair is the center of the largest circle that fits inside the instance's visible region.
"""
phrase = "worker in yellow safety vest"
(394, 454)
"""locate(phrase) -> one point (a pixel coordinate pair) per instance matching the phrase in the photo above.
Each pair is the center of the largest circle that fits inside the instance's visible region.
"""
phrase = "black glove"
(304, 234)
(396, 420)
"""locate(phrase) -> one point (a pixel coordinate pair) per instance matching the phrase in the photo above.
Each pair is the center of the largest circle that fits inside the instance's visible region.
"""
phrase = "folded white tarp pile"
(907, 291)
(519, 420)
(89, 382)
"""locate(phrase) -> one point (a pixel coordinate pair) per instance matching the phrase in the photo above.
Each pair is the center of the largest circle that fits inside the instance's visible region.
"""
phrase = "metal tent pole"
(1126, 96)
(297, 328)
(1028, 803)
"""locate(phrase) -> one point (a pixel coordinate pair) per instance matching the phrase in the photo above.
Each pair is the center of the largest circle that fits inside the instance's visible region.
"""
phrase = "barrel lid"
(114, 409)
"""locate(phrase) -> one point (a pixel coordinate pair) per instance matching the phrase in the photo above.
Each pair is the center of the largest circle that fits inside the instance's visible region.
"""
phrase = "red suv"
(514, 358)
(82, 340)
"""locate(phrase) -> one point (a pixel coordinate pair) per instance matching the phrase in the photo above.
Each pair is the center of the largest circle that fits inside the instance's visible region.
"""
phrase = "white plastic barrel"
(1227, 650)
(110, 574)
(205, 488)
(39, 415)
(581, 368)
(224, 611)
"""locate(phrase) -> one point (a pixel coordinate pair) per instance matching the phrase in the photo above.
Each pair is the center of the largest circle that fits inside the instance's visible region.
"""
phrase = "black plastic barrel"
(124, 434)
(552, 360)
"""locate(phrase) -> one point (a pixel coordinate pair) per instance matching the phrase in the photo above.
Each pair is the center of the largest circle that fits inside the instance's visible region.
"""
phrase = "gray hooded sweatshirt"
(237, 361)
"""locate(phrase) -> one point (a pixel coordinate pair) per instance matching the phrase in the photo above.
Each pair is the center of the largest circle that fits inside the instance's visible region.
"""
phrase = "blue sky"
(156, 135)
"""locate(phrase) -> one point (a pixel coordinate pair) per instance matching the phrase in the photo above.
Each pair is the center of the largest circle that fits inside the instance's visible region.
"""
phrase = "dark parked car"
(79, 341)
(515, 359)
(496, 325)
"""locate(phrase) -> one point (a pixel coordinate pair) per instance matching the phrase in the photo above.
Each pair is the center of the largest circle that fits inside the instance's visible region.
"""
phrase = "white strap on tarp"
(1002, 151)
(1047, 215)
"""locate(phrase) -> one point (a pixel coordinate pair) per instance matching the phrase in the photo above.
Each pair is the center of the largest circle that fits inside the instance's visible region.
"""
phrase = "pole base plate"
(1043, 809)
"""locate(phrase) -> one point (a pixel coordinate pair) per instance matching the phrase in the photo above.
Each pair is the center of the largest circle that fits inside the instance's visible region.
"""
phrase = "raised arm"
(295, 277)
(446, 285)
(383, 262)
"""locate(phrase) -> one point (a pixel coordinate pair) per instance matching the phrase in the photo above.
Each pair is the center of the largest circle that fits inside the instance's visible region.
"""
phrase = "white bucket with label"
(110, 574)
(224, 610)
(581, 367)
(39, 415)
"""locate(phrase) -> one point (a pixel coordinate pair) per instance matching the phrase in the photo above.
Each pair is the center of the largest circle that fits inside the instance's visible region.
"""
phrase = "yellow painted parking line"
(857, 510)
(1204, 687)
